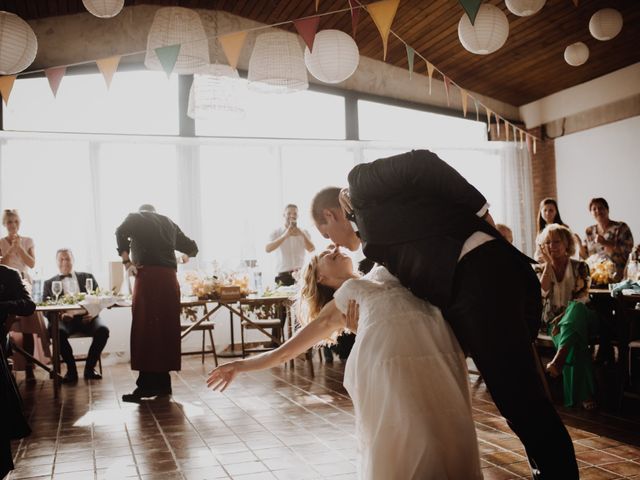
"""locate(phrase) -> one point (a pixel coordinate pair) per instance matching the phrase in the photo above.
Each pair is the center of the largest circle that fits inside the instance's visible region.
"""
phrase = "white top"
(290, 254)
(70, 285)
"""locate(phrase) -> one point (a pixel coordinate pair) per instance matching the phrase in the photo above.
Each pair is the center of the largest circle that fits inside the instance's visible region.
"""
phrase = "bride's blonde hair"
(313, 295)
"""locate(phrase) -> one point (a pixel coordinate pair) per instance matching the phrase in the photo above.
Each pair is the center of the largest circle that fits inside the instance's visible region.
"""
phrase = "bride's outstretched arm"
(329, 320)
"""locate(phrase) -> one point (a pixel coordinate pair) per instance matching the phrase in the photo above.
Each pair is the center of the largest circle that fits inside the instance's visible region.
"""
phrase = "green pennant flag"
(471, 7)
(410, 56)
(168, 57)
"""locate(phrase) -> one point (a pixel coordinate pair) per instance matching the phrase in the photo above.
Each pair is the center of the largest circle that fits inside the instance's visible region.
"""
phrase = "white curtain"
(517, 195)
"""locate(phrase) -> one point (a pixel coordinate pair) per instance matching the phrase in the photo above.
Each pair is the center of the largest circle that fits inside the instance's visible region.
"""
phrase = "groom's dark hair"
(325, 198)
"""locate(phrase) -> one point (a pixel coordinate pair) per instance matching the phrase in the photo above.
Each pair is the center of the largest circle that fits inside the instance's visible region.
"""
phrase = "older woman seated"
(565, 292)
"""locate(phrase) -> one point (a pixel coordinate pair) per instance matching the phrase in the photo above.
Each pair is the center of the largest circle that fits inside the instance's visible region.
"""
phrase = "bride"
(406, 374)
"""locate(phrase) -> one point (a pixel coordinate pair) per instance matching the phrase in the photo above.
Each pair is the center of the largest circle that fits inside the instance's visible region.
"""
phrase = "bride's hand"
(353, 315)
(221, 377)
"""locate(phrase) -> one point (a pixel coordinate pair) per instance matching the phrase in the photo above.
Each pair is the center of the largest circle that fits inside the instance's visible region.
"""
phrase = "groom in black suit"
(73, 322)
(429, 227)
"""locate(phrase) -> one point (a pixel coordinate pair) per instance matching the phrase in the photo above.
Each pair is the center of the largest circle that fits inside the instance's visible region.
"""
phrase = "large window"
(142, 102)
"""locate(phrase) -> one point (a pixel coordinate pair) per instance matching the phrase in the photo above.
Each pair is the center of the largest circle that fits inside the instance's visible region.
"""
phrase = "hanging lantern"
(18, 44)
(605, 24)
(277, 64)
(524, 8)
(103, 8)
(334, 58)
(576, 54)
(487, 34)
(216, 89)
(178, 26)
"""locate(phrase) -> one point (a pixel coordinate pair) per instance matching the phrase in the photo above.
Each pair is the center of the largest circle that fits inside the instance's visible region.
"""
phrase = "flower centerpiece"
(603, 270)
(214, 288)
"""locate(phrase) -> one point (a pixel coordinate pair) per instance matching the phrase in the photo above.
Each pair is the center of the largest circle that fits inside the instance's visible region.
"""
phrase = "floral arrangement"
(210, 288)
(602, 269)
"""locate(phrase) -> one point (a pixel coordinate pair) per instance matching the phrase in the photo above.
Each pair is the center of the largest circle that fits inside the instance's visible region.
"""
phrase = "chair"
(189, 318)
(263, 317)
(83, 358)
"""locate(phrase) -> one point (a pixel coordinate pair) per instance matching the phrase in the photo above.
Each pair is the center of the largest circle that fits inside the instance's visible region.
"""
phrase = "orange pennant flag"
(515, 134)
(447, 85)
(317, 4)
(54, 75)
(521, 138)
(307, 28)
(463, 95)
(430, 69)
(6, 85)
(232, 44)
(108, 67)
(383, 13)
(529, 147)
(534, 146)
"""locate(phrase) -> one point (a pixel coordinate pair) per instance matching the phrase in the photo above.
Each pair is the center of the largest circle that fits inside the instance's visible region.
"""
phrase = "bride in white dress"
(406, 374)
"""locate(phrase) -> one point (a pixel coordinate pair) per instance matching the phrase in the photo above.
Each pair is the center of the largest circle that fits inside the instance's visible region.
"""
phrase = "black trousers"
(495, 314)
(95, 328)
(285, 278)
(154, 382)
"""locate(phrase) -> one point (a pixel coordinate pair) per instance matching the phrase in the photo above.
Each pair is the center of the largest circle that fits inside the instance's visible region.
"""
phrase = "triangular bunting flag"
(506, 131)
(232, 44)
(498, 125)
(447, 85)
(168, 57)
(529, 146)
(355, 16)
(534, 145)
(471, 7)
(488, 118)
(6, 85)
(410, 56)
(108, 67)
(54, 75)
(430, 69)
(317, 4)
(521, 138)
(382, 14)
(307, 28)
(475, 102)
(463, 96)
(515, 135)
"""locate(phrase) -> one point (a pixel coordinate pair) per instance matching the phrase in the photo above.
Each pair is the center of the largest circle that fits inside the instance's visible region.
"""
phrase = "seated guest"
(14, 300)
(568, 320)
(607, 238)
(505, 231)
(74, 322)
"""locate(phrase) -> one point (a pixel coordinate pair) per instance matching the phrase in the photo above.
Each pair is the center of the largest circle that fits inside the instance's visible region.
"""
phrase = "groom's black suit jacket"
(82, 278)
(414, 212)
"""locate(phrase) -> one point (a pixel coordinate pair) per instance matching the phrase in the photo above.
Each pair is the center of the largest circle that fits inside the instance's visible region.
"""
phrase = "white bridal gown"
(408, 381)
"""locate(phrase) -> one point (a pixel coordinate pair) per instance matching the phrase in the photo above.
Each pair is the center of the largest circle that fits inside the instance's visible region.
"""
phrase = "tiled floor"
(279, 424)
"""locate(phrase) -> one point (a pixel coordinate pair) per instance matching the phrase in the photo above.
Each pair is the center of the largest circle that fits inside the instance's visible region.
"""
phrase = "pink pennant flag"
(6, 85)
(317, 4)
(529, 146)
(497, 125)
(54, 75)
(383, 13)
(355, 16)
(108, 67)
(430, 69)
(447, 85)
(465, 99)
(232, 44)
(506, 131)
(521, 138)
(488, 118)
(534, 146)
(307, 28)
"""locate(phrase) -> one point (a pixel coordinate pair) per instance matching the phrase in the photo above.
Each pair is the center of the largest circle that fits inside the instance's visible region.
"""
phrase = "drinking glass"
(88, 285)
(56, 288)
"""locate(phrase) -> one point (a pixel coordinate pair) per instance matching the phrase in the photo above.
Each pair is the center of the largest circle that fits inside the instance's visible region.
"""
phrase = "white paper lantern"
(334, 58)
(524, 8)
(216, 89)
(605, 24)
(576, 54)
(103, 8)
(178, 26)
(489, 32)
(18, 44)
(277, 64)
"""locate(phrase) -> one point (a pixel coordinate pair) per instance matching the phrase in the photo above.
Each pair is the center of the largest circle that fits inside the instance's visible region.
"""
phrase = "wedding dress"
(408, 381)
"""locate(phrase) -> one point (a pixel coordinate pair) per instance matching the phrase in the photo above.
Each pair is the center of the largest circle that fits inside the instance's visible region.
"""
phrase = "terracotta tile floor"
(280, 424)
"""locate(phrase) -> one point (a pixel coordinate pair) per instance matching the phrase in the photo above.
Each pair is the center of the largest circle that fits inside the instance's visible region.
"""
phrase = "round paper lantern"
(18, 44)
(334, 58)
(489, 32)
(605, 24)
(277, 64)
(524, 8)
(178, 26)
(576, 54)
(216, 89)
(103, 8)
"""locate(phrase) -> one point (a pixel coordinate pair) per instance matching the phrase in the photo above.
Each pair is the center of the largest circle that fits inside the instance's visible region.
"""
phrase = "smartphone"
(294, 223)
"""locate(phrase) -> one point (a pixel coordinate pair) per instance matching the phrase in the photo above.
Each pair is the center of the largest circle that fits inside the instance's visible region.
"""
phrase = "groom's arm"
(416, 173)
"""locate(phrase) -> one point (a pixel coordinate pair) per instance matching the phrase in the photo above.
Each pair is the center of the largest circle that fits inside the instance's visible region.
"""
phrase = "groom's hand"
(345, 202)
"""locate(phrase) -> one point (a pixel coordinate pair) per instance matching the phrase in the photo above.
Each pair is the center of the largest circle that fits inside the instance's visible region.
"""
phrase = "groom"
(429, 227)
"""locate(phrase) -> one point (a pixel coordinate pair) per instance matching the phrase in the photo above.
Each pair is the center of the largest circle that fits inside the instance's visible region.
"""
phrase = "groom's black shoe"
(138, 394)
(91, 374)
